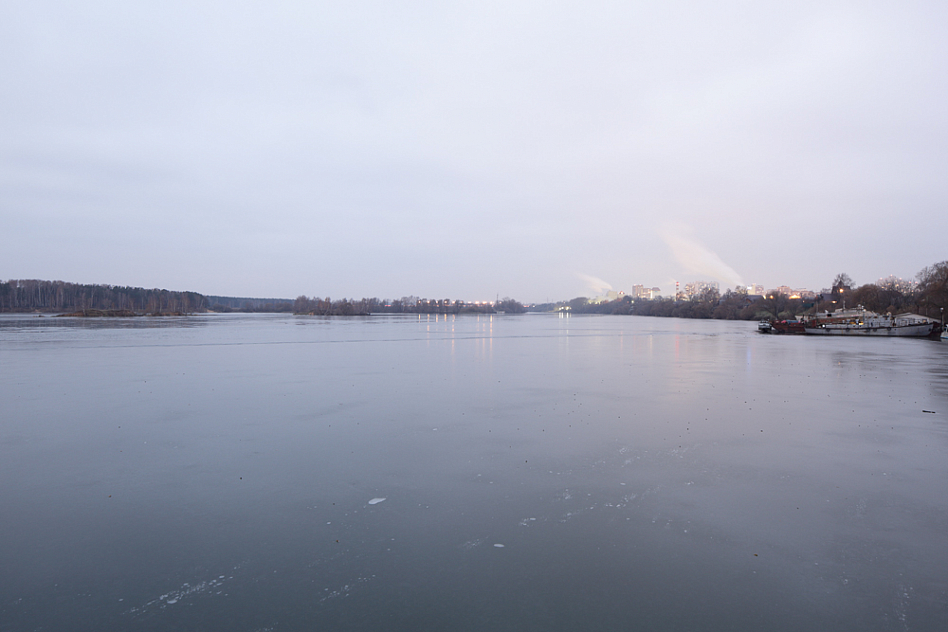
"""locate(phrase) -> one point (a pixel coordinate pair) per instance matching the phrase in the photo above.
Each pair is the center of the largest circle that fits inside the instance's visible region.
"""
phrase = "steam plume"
(595, 284)
(694, 257)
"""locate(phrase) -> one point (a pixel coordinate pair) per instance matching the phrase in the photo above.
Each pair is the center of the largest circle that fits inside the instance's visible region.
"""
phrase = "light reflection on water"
(216, 472)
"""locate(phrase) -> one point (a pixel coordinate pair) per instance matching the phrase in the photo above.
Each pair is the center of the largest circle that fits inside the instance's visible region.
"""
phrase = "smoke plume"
(695, 258)
(596, 285)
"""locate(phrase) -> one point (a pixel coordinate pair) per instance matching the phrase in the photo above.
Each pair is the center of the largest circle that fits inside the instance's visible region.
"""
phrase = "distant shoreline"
(929, 297)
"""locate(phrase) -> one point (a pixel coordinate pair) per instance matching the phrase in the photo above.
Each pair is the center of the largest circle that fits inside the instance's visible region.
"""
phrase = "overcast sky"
(538, 150)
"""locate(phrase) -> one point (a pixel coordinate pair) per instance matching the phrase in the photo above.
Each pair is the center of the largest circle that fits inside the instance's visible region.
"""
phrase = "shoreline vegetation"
(102, 313)
(315, 306)
(929, 298)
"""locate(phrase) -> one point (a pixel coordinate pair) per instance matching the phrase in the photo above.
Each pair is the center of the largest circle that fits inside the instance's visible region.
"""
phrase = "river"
(529, 472)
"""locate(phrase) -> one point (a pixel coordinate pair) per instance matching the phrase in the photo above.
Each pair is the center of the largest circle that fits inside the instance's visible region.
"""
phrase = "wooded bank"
(33, 295)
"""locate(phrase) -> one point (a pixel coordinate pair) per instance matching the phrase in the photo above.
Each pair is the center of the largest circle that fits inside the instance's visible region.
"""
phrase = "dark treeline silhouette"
(732, 305)
(327, 307)
(350, 307)
(239, 304)
(32, 295)
(929, 298)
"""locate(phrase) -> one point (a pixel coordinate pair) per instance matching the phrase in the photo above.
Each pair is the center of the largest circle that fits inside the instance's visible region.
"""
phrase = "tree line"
(227, 304)
(929, 297)
(350, 307)
(31, 295)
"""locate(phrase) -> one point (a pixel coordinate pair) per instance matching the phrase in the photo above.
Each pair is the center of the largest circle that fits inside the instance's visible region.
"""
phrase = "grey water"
(530, 472)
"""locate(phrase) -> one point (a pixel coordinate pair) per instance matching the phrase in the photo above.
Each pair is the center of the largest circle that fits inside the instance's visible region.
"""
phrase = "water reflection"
(19, 323)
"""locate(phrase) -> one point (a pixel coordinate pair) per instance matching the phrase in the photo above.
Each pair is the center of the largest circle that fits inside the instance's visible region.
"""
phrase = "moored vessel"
(862, 322)
(788, 326)
(780, 326)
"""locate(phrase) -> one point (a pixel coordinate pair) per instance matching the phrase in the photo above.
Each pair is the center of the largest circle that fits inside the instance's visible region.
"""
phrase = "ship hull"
(921, 330)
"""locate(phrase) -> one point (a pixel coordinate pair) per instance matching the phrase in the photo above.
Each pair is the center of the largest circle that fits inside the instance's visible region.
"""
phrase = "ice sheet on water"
(345, 590)
(174, 596)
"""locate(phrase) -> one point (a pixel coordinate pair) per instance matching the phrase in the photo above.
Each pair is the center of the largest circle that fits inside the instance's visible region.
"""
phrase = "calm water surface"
(472, 473)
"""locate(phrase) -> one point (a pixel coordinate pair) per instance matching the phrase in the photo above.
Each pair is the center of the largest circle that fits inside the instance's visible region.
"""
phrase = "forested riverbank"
(95, 300)
(101, 300)
(929, 297)
(32, 295)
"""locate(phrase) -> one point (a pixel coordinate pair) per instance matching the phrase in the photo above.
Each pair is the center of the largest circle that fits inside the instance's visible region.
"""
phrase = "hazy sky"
(467, 150)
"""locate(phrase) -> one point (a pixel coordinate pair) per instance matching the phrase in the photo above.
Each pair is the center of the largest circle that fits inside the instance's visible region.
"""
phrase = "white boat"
(862, 322)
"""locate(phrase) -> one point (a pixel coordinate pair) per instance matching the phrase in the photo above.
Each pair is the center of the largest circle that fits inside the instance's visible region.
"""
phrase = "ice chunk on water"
(376, 501)
(499, 546)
